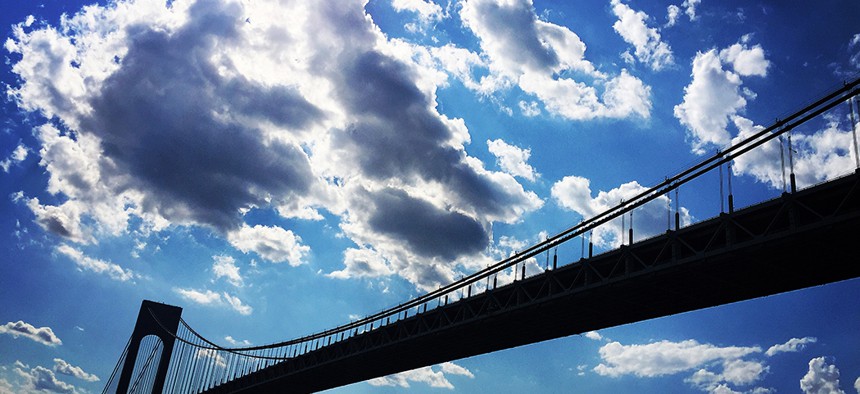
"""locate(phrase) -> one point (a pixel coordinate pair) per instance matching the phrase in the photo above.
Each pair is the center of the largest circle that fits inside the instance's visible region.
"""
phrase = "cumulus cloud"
(63, 367)
(746, 61)
(714, 96)
(735, 372)
(717, 369)
(18, 155)
(529, 109)
(195, 112)
(792, 345)
(212, 356)
(854, 45)
(512, 159)
(41, 379)
(225, 267)
(211, 298)
(427, 12)
(672, 12)
(43, 335)
(632, 27)
(435, 376)
(6, 387)
(63, 220)
(820, 156)
(574, 193)
(857, 385)
(709, 101)
(663, 358)
(274, 244)
(821, 378)
(690, 8)
(235, 342)
(536, 55)
(360, 263)
(594, 335)
(86, 263)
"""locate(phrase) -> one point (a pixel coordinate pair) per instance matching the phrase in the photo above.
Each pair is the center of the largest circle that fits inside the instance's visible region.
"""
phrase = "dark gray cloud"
(513, 28)
(43, 335)
(396, 134)
(185, 133)
(428, 230)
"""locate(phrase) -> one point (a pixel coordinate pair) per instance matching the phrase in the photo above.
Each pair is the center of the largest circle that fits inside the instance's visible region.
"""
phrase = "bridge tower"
(154, 319)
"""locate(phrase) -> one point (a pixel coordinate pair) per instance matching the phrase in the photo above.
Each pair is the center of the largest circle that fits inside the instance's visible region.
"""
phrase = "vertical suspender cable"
(791, 163)
(782, 162)
(854, 130)
(668, 211)
(631, 228)
(623, 227)
(722, 196)
(731, 196)
(677, 209)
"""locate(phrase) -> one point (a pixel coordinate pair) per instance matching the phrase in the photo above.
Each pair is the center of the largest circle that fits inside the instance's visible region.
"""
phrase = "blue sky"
(278, 168)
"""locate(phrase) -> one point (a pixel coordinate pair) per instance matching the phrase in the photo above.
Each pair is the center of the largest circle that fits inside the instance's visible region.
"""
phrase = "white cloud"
(690, 8)
(213, 356)
(435, 376)
(793, 345)
(427, 12)
(64, 220)
(308, 132)
(211, 298)
(460, 63)
(225, 267)
(709, 100)
(40, 380)
(742, 372)
(574, 193)
(857, 382)
(594, 335)
(854, 60)
(86, 263)
(512, 159)
(719, 383)
(361, 263)
(7, 388)
(529, 109)
(63, 367)
(207, 297)
(746, 61)
(527, 52)
(820, 156)
(672, 12)
(237, 304)
(714, 96)
(717, 369)
(18, 155)
(632, 27)
(271, 243)
(43, 335)
(821, 378)
(664, 357)
(235, 342)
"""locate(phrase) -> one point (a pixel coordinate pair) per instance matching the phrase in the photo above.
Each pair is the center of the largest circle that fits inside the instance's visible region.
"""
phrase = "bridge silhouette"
(800, 239)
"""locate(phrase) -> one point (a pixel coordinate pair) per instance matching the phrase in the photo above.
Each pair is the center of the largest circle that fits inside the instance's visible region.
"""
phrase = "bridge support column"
(153, 319)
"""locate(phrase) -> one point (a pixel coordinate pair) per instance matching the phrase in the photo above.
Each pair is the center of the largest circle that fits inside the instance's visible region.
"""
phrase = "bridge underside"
(800, 240)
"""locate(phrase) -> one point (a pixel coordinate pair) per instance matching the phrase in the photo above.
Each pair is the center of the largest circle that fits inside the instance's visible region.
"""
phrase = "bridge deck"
(799, 240)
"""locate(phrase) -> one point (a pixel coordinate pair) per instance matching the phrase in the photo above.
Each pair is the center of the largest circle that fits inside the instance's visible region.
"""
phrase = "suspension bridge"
(759, 250)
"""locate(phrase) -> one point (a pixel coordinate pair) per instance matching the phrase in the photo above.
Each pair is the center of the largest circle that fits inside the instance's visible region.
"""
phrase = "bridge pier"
(153, 319)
